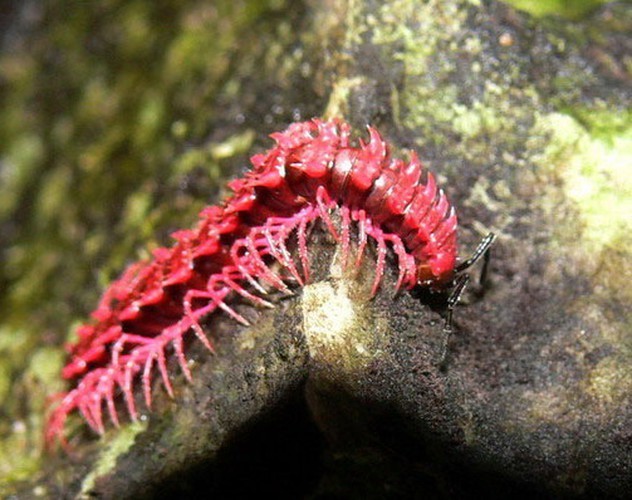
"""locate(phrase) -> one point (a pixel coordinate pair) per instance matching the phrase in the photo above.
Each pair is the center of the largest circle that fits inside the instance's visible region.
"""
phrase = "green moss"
(338, 104)
(570, 168)
(432, 99)
(44, 366)
(22, 159)
(19, 450)
(572, 9)
(420, 30)
(595, 170)
(588, 149)
(475, 120)
(5, 382)
(108, 115)
(117, 446)
(591, 165)
(603, 121)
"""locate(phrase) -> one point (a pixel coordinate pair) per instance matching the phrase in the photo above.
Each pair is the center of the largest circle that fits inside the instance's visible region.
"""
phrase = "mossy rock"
(120, 122)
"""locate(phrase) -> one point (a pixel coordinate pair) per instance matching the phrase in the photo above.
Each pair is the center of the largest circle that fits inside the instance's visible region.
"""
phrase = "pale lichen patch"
(338, 327)
(328, 314)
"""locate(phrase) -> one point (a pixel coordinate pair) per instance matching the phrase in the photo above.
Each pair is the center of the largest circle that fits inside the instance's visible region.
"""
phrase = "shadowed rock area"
(526, 123)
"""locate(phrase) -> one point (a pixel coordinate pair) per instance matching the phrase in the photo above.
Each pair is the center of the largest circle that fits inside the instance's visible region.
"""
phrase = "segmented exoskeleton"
(311, 172)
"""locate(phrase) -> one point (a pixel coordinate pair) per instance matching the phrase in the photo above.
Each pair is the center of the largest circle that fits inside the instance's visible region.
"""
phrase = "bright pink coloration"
(310, 173)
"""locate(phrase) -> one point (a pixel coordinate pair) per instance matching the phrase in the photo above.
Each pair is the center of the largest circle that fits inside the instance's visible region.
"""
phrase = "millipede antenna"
(482, 250)
(460, 282)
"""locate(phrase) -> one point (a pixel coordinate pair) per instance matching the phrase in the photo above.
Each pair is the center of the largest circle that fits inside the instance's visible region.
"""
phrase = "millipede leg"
(255, 299)
(264, 272)
(381, 261)
(276, 236)
(321, 194)
(346, 226)
(360, 217)
(109, 398)
(303, 253)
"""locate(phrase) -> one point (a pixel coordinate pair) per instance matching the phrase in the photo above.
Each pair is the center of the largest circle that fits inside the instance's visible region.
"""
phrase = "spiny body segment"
(241, 247)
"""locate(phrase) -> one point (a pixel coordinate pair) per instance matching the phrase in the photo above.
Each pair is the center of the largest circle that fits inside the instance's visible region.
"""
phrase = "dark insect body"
(241, 247)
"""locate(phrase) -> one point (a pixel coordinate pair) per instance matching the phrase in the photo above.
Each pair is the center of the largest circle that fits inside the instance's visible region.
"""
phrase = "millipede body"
(257, 240)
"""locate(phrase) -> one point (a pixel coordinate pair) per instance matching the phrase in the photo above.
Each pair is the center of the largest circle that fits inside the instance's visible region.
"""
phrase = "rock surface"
(527, 124)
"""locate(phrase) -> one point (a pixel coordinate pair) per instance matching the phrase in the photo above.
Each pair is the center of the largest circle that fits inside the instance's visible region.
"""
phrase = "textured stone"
(527, 124)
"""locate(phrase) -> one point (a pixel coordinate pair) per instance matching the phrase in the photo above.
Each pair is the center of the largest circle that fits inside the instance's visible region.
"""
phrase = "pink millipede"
(242, 246)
